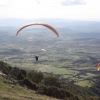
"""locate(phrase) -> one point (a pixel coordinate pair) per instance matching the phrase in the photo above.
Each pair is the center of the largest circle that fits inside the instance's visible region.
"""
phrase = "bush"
(35, 76)
(16, 73)
(51, 80)
(56, 92)
(30, 84)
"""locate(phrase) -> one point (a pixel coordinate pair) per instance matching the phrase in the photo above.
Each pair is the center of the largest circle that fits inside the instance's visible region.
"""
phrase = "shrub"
(29, 84)
(51, 80)
(35, 76)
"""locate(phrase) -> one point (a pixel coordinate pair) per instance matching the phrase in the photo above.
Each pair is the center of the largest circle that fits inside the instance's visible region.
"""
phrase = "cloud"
(34, 9)
(72, 2)
(38, 1)
(2, 5)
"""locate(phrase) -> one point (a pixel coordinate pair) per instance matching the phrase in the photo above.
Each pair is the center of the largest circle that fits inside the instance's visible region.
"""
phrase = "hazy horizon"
(57, 22)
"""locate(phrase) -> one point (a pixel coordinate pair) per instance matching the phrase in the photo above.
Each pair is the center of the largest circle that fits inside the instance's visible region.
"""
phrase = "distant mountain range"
(14, 22)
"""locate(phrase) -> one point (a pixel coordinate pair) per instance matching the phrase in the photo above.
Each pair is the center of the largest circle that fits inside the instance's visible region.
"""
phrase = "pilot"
(36, 57)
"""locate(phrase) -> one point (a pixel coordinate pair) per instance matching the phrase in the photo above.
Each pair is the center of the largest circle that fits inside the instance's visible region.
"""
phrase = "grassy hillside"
(10, 91)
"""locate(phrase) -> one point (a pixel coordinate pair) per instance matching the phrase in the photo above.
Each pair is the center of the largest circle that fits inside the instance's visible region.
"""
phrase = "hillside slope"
(18, 84)
(9, 91)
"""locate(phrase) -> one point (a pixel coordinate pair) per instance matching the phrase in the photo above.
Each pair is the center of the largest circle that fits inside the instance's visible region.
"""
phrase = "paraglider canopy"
(39, 23)
(98, 67)
(43, 49)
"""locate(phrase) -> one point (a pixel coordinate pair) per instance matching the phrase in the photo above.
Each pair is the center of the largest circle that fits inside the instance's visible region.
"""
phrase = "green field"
(84, 83)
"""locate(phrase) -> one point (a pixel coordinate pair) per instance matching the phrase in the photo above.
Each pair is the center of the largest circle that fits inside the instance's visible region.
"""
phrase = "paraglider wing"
(98, 67)
(43, 24)
(43, 49)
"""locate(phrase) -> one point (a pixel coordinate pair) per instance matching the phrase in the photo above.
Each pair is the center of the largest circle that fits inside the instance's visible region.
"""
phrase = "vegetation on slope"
(48, 85)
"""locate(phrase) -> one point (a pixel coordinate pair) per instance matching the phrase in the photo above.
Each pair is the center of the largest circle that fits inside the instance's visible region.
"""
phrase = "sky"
(47, 9)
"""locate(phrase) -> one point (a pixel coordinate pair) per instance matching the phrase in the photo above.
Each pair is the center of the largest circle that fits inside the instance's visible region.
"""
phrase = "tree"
(35, 76)
(51, 80)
